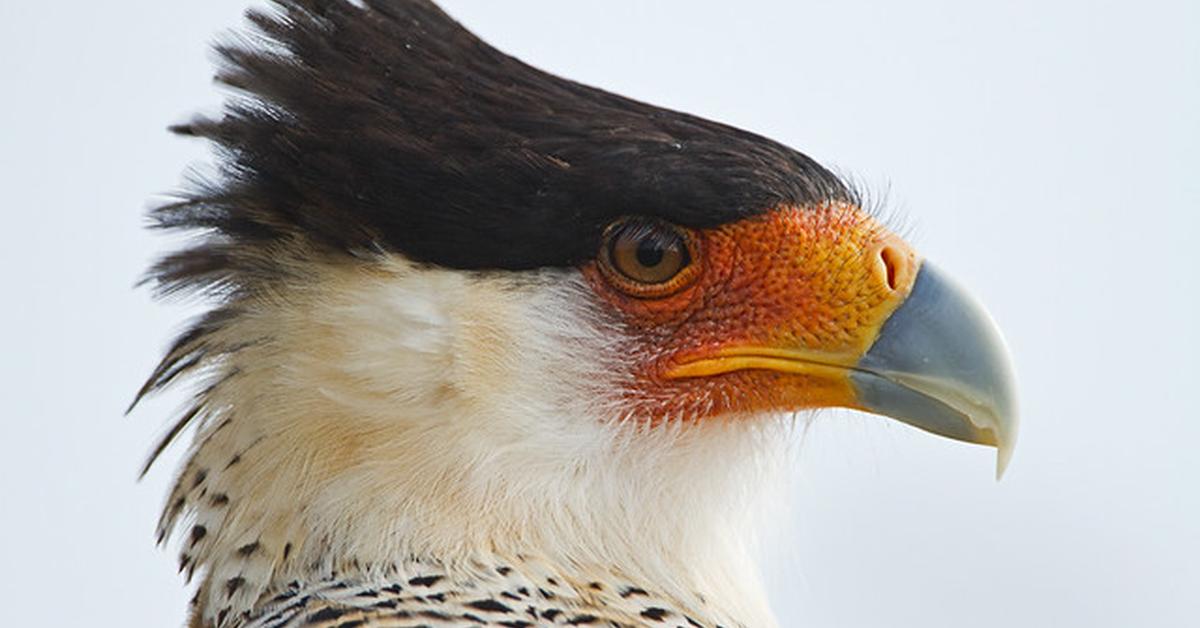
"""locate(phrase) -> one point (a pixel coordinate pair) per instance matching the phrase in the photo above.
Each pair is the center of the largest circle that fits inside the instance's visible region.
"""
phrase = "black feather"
(391, 127)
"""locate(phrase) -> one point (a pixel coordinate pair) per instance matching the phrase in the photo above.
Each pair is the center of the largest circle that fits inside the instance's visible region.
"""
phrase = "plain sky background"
(1046, 153)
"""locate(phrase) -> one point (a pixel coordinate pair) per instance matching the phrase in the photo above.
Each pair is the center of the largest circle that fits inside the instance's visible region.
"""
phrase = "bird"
(484, 346)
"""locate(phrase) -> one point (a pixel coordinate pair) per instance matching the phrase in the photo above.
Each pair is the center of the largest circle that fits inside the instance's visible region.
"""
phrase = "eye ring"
(648, 258)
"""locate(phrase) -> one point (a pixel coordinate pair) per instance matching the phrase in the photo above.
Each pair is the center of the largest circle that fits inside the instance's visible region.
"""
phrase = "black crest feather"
(388, 126)
(356, 129)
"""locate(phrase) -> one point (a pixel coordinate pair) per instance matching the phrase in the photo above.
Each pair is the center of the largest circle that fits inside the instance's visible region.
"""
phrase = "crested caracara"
(491, 347)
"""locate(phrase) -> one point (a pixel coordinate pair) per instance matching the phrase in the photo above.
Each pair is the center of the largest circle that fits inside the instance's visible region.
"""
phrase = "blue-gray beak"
(940, 364)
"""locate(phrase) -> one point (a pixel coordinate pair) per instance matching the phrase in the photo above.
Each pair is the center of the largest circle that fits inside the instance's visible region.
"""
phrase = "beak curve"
(940, 364)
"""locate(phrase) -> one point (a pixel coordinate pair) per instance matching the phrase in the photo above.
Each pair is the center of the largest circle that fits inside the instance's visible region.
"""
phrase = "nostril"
(893, 261)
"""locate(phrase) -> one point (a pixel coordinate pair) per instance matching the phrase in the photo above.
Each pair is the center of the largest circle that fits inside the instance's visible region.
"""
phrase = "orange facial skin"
(781, 307)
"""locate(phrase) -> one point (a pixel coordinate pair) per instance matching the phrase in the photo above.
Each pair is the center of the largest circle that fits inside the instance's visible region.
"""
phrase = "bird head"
(461, 305)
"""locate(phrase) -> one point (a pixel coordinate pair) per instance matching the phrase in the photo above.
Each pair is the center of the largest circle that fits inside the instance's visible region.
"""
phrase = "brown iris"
(646, 257)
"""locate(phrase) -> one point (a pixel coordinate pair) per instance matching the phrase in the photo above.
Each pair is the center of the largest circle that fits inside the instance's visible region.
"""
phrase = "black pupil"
(650, 252)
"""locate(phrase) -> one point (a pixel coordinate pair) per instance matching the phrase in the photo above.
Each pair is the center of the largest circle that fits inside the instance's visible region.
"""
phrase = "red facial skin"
(821, 280)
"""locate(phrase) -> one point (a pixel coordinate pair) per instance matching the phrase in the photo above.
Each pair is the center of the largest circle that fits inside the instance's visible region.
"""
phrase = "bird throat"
(371, 431)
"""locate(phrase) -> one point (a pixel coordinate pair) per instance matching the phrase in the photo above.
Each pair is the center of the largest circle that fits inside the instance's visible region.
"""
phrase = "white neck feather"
(400, 412)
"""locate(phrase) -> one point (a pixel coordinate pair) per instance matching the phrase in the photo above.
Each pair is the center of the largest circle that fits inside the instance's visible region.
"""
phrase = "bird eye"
(647, 257)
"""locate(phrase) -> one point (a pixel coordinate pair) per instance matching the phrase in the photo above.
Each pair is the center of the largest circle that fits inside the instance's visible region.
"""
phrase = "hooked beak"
(940, 364)
(835, 311)
(931, 357)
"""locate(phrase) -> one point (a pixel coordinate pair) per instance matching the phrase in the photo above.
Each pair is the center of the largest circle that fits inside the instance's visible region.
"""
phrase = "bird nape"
(490, 347)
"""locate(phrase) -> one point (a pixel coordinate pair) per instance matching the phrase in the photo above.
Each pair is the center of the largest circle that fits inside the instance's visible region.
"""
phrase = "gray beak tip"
(941, 364)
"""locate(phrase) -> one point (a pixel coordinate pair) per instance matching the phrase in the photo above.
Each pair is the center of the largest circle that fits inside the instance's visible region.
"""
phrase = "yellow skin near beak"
(824, 307)
(954, 384)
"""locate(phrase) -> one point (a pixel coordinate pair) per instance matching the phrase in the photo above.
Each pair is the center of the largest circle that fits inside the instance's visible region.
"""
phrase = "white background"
(1044, 152)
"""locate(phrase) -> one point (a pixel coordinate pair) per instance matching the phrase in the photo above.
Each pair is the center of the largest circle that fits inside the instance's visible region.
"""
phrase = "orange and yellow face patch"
(781, 304)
